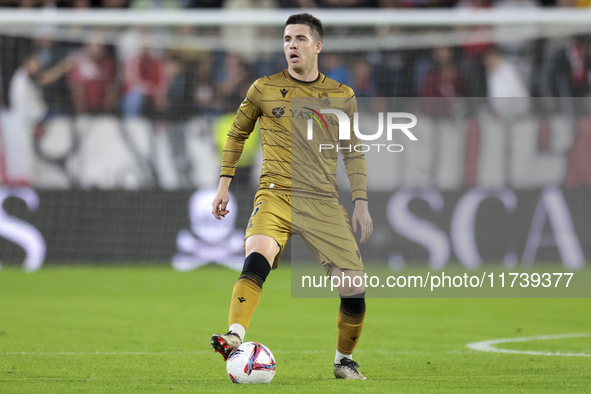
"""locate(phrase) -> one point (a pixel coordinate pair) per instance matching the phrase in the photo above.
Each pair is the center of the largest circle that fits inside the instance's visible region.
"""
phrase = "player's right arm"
(222, 196)
(244, 122)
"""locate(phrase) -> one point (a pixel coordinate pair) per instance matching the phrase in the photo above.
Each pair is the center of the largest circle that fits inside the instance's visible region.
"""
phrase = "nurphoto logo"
(345, 127)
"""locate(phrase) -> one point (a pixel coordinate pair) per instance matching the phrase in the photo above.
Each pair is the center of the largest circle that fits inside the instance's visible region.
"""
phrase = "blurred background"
(113, 114)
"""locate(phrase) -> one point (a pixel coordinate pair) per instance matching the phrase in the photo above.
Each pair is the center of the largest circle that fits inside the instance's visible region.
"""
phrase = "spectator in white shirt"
(503, 80)
(27, 109)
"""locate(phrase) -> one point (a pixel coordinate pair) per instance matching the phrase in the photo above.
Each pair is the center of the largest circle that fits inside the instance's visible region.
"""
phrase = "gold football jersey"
(292, 164)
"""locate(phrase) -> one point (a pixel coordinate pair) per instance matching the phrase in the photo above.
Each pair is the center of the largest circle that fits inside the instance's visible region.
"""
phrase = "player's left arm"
(357, 174)
(362, 218)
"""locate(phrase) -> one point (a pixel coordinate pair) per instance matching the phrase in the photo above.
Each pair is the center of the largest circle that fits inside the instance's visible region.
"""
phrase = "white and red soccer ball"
(251, 362)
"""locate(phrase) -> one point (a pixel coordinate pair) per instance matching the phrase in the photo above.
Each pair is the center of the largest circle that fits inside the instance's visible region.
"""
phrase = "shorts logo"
(278, 112)
(241, 299)
(284, 92)
(256, 208)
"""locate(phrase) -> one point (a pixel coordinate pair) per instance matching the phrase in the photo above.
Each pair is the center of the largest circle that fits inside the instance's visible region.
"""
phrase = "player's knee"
(354, 304)
(264, 245)
(350, 282)
(256, 268)
(351, 291)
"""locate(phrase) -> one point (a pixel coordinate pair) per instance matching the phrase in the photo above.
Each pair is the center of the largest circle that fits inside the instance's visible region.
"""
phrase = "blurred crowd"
(136, 74)
(136, 77)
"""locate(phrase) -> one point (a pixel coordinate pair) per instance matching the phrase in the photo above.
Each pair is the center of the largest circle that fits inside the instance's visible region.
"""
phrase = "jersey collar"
(304, 82)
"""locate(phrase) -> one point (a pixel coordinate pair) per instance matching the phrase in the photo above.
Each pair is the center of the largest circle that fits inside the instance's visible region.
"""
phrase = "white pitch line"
(488, 346)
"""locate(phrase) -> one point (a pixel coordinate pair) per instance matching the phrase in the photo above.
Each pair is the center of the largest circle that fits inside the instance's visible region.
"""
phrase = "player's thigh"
(329, 236)
(350, 281)
(263, 244)
(269, 226)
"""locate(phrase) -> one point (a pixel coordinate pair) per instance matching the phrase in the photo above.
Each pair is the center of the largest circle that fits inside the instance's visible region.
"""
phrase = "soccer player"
(312, 199)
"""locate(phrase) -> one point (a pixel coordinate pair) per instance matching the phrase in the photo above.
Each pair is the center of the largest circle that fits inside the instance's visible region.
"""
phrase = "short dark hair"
(309, 20)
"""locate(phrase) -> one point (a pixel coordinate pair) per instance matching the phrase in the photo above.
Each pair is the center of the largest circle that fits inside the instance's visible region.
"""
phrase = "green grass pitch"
(140, 330)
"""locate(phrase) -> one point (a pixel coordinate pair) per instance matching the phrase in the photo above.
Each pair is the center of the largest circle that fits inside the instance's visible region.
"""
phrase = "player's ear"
(318, 47)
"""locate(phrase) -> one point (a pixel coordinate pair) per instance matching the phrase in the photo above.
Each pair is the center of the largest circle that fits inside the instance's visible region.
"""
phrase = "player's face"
(300, 48)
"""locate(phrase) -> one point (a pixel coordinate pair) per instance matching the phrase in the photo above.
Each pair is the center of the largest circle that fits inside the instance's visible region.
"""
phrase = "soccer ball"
(251, 362)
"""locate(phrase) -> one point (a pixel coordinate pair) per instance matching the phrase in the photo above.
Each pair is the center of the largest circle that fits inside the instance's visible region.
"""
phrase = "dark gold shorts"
(323, 225)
